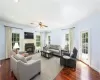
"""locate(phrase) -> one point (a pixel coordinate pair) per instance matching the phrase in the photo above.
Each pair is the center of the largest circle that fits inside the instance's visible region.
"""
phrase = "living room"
(49, 40)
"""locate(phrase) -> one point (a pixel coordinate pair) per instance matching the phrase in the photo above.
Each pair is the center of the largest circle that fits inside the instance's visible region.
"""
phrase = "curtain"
(71, 33)
(8, 41)
(42, 40)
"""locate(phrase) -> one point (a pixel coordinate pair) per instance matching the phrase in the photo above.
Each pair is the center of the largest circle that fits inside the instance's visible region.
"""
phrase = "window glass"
(67, 41)
(85, 42)
(38, 43)
(49, 40)
(15, 38)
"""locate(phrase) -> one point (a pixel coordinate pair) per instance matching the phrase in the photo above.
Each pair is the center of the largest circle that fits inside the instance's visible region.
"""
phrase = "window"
(85, 42)
(67, 37)
(49, 40)
(67, 42)
(38, 41)
(15, 38)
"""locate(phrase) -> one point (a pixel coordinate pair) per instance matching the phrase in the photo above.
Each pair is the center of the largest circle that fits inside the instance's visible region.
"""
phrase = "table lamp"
(16, 47)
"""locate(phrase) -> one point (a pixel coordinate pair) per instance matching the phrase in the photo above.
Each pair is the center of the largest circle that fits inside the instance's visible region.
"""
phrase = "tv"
(28, 35)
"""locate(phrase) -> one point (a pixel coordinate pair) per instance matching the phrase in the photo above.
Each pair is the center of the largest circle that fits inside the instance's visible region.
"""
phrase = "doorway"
(85, 53)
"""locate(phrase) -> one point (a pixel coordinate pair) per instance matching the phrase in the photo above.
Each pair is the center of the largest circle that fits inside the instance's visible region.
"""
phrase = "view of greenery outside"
(15, 38)
(67, 37)
(67, 40)
(85, 42)
(38, 41)
(49, 40)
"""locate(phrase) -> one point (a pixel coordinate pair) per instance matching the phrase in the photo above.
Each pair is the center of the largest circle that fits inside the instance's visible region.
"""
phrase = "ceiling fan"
(40, 24)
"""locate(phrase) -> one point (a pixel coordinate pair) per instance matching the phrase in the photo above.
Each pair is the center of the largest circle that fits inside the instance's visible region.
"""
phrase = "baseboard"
(90, 66)
(4, 59)
(7, 58)
(95, 68)
(83, 62)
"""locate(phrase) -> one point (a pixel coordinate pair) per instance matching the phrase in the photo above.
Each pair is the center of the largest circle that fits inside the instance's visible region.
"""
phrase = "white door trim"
(89, 48)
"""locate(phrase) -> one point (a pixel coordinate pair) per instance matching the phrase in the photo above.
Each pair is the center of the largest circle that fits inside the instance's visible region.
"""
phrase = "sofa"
(56, 49)
(24, 68)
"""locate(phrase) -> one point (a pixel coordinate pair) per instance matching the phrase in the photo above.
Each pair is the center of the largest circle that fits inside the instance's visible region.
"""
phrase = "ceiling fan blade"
(40, 24)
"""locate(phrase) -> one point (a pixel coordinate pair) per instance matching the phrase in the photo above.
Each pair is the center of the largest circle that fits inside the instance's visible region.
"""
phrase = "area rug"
(49, 68)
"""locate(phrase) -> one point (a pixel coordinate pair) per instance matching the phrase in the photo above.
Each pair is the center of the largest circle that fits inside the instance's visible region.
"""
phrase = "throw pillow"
(20, 57)
(12, 53)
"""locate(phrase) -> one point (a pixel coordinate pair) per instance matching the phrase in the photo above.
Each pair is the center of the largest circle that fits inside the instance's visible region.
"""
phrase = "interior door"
(85, 47)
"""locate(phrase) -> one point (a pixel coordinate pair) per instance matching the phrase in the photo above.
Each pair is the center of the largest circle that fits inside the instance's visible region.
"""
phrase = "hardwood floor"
(83, 72)
(5, 73)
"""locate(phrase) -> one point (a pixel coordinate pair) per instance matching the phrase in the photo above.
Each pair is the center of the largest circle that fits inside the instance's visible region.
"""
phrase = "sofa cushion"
(57, 47)
(20, 57)
(66, 57)
(53, 50)
(54, 47)
(30, 61)
(28, 58)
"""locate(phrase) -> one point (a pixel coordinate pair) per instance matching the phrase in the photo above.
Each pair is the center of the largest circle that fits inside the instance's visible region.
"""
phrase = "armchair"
(63, 53)
(69, 61)
(25, 70)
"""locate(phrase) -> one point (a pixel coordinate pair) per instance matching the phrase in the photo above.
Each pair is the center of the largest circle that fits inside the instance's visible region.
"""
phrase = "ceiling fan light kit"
(40, 24)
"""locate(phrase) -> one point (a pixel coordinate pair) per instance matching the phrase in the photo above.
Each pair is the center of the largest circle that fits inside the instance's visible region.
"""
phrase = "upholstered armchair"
(69, 61)
(63, 53)
(24, 69)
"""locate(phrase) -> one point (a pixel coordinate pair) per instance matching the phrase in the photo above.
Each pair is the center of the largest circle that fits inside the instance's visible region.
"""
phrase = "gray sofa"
(24, 68)
(56, 49)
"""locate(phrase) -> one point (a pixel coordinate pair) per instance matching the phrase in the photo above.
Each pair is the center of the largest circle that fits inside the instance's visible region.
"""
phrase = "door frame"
(89, 47)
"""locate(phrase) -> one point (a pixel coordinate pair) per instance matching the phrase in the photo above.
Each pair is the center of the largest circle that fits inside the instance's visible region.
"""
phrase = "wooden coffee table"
(46, 54)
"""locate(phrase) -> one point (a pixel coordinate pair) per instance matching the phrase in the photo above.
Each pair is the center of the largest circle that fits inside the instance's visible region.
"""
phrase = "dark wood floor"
(5, 73)
(83, 72)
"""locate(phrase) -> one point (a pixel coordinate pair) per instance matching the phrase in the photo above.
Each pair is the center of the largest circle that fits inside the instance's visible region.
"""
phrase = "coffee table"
(46, 54)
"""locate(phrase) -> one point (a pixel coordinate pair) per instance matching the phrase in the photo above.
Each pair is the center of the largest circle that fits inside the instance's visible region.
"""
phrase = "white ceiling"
(54, 13)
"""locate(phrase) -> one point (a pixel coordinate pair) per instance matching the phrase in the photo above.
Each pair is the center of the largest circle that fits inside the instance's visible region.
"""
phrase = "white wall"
(58, 36)
(92, 24)
(2, 42)
(21, 32)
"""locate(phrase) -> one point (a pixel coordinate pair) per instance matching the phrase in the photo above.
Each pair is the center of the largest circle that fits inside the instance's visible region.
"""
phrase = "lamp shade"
(16, 46)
